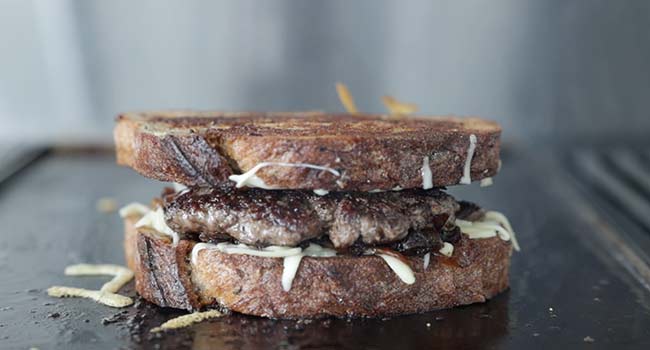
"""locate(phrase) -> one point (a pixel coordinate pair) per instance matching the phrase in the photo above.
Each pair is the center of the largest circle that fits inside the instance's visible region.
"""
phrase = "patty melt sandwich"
(308, 214)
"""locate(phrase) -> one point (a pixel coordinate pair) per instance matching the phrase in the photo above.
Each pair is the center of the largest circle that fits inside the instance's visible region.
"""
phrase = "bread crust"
(342, 286)
(370, 151)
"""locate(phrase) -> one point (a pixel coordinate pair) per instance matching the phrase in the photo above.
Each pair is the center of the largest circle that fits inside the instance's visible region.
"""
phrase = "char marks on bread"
(371, 152)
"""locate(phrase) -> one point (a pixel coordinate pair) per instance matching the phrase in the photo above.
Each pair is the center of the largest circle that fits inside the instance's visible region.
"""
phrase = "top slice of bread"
(370, 152)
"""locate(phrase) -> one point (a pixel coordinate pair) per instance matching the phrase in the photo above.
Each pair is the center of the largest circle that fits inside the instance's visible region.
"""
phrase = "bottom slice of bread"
(342, 286)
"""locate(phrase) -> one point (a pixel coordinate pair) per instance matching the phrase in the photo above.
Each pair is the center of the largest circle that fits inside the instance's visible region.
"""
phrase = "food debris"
(588, 339)
(107, 295)
(398, 108)
(121, 273)
(106, 205)
(187, 320)
(106, 298)
(346, 98)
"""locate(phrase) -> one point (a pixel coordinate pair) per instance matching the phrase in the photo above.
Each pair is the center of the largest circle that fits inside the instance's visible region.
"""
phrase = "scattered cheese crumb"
(346, 98)
(447, 249)
(588, 339)
(486, 182)
(187, 320)
(106, 298)
(398, 108)
(106, 205)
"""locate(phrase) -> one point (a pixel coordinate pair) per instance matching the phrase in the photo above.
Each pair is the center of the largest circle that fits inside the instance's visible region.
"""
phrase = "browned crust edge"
(191, 149)
(341, 286)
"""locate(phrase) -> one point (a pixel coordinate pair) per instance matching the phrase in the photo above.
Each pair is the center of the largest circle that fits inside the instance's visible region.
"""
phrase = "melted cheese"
(138, 209)
(290, 268)
(466, 178)
(503, 221)
(106, 298)
(447, 249)
(155, 219)
(401, 269)
(321, 192)
(486, 182)
(187, 320)
(426, 260)
(427, 178)
(292, 256)
(249, 179)
(493, 224)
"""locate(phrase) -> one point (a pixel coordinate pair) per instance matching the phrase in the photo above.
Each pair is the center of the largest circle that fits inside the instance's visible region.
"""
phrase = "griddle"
(582, 279)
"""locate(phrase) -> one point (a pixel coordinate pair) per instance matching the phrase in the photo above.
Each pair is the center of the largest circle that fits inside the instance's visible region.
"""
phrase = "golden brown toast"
(369, 152)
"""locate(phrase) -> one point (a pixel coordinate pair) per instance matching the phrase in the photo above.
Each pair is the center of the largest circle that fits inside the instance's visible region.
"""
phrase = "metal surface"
(578, 282)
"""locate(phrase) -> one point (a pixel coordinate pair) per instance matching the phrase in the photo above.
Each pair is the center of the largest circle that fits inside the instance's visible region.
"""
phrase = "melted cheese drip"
(447, 249)
(134, 209)
(466, 178)
(426, 260)
(427, 178)
(292, 256)
(321, 192)
(249, 179)
(493, 224)
(401, 269)
(155, 219)
(187, 320)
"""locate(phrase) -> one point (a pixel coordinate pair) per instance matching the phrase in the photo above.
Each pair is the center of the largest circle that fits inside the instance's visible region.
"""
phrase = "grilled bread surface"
(369, 152)
(342, 286)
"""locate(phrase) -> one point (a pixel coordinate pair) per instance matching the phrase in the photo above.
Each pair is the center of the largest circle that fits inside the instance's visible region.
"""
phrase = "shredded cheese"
(187, 320)
(138, 209)
(155, 219)
(447, 249)
(427, 177)
(122, 274)
(346, 98)
(107, 294)
(106, 298)
(398, 108)
(426, 259)
(467, 170)
(249, 179)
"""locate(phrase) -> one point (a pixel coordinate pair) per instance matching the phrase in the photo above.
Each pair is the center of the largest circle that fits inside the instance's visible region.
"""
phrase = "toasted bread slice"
(336, 286)
(368, 152)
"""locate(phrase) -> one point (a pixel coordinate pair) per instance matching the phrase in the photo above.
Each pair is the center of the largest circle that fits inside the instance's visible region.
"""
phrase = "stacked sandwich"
(293, 215)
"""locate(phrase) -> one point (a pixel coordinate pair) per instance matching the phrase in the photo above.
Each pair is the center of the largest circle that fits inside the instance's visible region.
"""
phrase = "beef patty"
(287, 217)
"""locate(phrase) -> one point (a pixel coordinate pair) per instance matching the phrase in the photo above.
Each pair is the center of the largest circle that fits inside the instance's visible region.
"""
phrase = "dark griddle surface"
(581, 272)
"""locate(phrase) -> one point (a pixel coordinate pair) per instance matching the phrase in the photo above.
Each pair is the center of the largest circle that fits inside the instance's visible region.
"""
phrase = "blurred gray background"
(547, 70)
